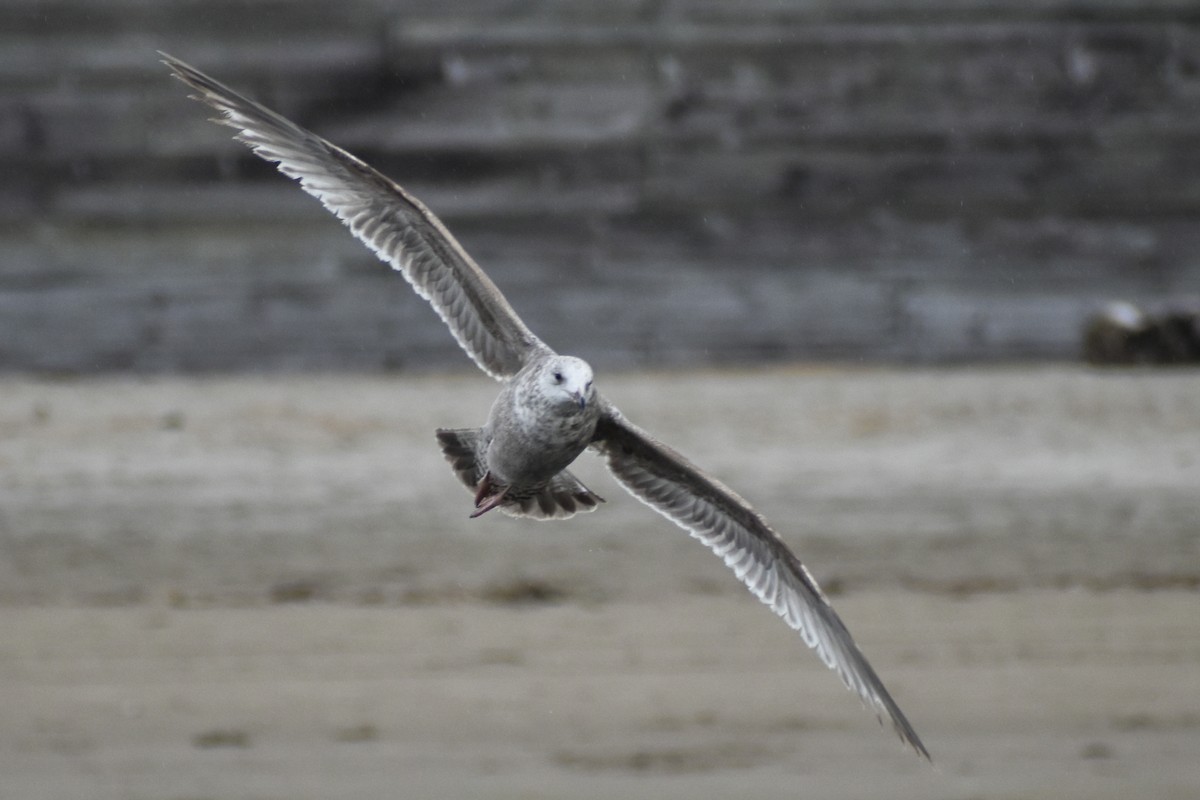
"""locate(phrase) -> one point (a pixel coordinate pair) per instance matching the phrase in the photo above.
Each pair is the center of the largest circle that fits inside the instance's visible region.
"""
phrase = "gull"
(548, 410)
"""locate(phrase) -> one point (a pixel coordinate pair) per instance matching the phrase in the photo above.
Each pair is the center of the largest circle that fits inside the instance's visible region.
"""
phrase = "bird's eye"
(558, 377)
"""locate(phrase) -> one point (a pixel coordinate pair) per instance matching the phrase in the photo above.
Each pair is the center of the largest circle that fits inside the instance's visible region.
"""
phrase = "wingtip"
(905, 732)
(909, 737)
(179, 69)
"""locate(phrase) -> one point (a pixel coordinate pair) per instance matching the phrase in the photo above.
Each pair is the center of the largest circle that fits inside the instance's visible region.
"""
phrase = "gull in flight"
(548, 410)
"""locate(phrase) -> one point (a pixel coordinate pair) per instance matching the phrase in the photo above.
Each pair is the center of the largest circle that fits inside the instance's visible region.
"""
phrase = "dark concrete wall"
(650, 182)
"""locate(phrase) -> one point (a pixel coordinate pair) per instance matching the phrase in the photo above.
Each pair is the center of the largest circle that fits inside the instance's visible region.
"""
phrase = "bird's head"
(566, 379)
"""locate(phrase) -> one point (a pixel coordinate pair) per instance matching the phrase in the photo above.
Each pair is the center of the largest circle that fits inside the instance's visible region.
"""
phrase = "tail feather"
(564, 496)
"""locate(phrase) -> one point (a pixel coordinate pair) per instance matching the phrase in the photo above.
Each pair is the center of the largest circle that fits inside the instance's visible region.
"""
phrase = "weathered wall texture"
(650, 182)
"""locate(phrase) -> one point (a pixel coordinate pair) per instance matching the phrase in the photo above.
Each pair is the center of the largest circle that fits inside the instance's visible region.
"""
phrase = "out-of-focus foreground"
(249, 588)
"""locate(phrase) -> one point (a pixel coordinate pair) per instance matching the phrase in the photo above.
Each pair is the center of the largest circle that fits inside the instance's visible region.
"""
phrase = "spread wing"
(712, 513)
(386, 218)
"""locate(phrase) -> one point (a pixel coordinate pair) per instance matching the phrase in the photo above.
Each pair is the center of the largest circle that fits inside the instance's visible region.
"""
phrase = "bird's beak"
(581, 398)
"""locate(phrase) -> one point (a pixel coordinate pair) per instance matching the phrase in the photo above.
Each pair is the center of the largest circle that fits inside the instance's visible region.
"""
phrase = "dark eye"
(558, 377)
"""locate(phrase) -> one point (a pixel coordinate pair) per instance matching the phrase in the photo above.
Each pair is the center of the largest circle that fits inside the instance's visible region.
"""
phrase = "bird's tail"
(564, 496)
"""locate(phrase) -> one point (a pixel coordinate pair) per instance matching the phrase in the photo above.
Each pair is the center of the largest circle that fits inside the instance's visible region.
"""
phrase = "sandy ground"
(268, 588)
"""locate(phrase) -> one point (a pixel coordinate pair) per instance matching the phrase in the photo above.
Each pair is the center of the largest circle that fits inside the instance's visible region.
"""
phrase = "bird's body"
(548, 411)
(536, 427)
(543, 418)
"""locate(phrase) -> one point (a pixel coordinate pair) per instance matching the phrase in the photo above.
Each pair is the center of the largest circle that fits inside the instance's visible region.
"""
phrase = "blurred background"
(651, 183)
(849, 256)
